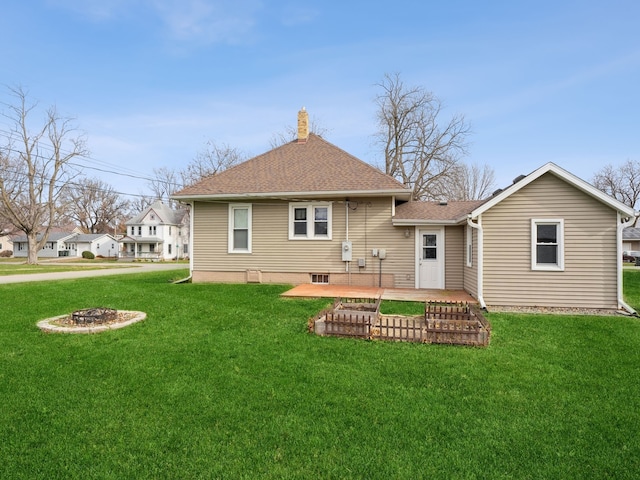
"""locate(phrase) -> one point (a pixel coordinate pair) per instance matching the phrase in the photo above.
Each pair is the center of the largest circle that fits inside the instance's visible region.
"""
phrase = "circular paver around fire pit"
(63, 323)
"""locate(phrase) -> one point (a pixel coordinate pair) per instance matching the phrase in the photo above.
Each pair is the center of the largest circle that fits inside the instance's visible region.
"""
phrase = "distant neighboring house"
(100, 244)
(7, 235)
(631, 239)
(309, 212)
(69, 244)
(157, 233)
(53, 247)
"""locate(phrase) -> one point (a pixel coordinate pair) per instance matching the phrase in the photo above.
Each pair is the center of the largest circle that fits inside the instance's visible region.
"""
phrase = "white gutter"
(621, 226)
(480, 259)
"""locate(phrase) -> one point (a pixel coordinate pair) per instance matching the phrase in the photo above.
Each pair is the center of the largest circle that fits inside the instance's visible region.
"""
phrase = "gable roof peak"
(562, 174)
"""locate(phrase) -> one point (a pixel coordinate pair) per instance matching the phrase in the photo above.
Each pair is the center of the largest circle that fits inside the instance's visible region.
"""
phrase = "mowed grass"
(223, 381)
(19, 267)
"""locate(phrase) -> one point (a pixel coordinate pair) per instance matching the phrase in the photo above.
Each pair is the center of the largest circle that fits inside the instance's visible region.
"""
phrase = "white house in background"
(54, 247)
(631, 239)
(70, 244)
(100, 244)
(6, 239)
(157, 233)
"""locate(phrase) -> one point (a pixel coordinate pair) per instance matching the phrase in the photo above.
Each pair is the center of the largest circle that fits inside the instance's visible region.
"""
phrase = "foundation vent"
(320, 278)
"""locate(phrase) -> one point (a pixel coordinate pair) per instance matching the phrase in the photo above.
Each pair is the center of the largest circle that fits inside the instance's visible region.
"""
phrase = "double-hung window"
(310, 221)
(547, 244)
(239, 228)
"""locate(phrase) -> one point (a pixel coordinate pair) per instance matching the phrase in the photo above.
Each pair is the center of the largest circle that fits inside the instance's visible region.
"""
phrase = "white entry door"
(431, 258)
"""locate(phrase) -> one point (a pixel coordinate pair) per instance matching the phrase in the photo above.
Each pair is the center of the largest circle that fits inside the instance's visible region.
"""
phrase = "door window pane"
(429, 246)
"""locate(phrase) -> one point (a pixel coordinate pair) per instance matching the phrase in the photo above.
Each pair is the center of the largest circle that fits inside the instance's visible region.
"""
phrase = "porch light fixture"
(407, 233)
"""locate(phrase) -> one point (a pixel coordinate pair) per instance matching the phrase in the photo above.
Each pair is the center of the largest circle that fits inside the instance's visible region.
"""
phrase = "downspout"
(346, 235)
(622, 224)
(188, 279)
(480, 259)
(192, 212)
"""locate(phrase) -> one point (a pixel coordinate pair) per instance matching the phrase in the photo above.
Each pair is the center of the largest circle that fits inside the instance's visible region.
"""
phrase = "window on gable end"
(547, 244)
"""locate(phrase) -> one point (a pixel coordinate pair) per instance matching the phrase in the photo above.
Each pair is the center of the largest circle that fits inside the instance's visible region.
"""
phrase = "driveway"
(130, 268)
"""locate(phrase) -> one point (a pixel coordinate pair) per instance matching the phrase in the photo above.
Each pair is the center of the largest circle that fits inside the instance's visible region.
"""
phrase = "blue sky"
(151, 81)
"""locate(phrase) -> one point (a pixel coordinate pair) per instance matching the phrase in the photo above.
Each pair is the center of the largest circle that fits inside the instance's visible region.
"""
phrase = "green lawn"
(18, 266)
(223, 381)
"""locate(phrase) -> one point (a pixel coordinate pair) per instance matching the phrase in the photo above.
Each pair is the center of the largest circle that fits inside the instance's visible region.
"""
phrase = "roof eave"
(412, 222)
(402, 194)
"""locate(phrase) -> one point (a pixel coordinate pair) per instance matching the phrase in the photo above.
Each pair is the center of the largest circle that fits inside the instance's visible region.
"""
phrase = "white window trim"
(559, 222)
(310, 220)
(232, 208)
(469, 245)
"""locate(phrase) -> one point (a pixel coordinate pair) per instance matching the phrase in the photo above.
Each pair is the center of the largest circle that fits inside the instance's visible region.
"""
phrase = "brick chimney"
(303, 125)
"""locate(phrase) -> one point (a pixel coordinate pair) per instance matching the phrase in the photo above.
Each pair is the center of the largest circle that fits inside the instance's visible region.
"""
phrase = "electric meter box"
(347, 251)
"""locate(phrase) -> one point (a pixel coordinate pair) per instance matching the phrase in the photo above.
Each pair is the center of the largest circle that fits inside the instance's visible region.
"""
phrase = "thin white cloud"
(296, 14)
(206, 21)
(201, 22)
(541, 89)
(96, 10)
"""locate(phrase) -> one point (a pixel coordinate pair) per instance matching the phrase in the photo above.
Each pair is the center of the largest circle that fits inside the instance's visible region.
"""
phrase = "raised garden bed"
(442, 322)
(349, 317)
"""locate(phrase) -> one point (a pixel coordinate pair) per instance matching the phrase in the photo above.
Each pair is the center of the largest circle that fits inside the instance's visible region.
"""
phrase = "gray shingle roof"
(88, 237)
(53, 237)
(165, 214)
(631, 233)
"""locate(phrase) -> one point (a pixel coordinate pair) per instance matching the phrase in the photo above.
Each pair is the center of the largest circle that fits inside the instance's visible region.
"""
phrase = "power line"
(136, 175)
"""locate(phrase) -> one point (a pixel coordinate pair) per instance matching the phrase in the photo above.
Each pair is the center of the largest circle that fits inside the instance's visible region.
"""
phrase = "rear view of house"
(309, 212)
(304, 212)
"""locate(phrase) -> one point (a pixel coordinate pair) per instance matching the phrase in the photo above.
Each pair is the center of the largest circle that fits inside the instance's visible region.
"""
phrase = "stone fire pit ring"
(64, 324)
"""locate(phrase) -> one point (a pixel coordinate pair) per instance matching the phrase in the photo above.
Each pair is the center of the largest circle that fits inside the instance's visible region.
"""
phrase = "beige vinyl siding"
(454, 257)
(470, 280)
(272, 251)
(589, 277)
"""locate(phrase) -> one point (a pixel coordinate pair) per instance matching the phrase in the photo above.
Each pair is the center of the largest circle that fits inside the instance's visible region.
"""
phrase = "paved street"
(126, 268)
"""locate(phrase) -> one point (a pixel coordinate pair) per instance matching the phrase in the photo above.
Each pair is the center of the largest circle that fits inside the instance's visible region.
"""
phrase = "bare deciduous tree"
(622, 183)
(94, 205)
(164, 182)
(36, 169)
(465, 182)
(419, 149)
(139, 203)
(214, 158)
